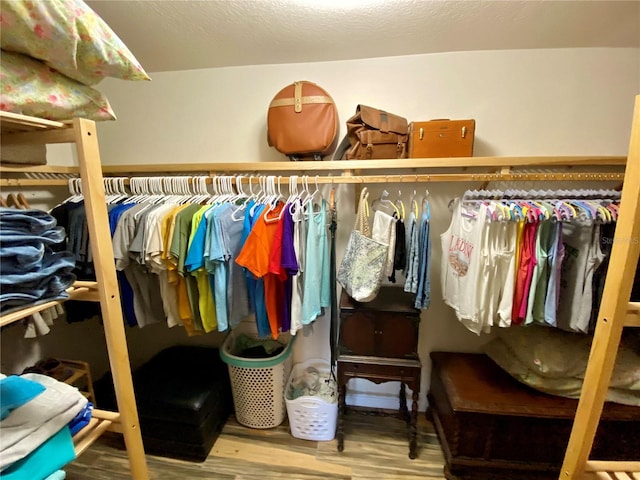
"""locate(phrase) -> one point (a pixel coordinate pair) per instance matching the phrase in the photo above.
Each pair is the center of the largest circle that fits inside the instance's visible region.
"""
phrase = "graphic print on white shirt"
(461, 252)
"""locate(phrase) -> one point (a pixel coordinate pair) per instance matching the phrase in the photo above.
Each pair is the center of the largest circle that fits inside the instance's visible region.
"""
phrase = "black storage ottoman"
(184, 399)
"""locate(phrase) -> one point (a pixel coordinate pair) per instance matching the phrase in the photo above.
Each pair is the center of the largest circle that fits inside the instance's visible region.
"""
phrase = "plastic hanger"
(426, 206)
(312, 196)
(414, 205)
(400, 204)
(383, 202)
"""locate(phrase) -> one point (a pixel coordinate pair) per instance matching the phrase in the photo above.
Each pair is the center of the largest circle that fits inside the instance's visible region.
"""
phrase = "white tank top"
(497, 258)
(506, 278)
(486, 272)
(461, 256)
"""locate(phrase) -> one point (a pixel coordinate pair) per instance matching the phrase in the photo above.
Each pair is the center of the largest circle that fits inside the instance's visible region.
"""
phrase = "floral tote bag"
(362, 268)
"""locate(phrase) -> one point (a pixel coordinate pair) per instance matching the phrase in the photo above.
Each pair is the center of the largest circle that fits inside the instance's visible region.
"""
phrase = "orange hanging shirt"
(255, 256)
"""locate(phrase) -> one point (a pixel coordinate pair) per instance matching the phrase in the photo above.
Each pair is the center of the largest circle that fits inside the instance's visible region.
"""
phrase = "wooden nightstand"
(379, 342)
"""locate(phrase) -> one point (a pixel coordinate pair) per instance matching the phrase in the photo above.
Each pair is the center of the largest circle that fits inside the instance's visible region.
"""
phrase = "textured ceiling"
(168, 35)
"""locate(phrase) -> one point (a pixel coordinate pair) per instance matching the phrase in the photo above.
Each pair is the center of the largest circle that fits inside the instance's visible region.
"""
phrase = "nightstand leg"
(404, 411)
(341, 407)
(413, 426)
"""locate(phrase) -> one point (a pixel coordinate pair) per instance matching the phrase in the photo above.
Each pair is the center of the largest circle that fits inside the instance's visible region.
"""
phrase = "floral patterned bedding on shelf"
(53, 52)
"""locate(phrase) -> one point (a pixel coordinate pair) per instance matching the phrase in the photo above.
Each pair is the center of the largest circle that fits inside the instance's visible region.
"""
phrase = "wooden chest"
(384, 327)
(492, 427)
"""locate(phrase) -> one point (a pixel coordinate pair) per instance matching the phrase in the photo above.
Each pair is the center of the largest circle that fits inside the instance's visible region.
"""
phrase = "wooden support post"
(612, 315)
(102, 249)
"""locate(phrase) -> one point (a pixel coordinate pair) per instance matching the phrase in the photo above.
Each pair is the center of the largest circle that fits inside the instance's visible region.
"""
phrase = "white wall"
(532, 102)
(566, 101)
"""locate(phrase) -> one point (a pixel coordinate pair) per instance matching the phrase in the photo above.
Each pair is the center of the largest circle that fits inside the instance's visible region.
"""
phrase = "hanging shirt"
(538, 289)
(384, 231)
(519, 232)
(577, 238)
(400, 253)
(156, 264)
(146, 311)
(594, 260)
(176, 282)
(525, 272)
(187, 286)
(247, 223)
(217, 265)
(506, 274)
(255, 286)
(607, 232)
(413, 256)
(300, 249)
(288, 263)
(255, 257)
(316, 293)
(423, 293)
(126, 292)
(231, 227)
(149, 284)
(555, 261)
(488, 271)
(280, 274)
(461, 256)
(194, 264)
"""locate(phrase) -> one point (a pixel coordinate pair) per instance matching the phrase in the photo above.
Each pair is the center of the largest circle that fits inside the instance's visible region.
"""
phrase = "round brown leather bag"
(302, 121)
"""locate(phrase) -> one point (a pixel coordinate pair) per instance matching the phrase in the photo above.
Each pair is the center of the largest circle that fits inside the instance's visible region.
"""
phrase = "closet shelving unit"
(19, 129)
(616, 311)
(614, 314)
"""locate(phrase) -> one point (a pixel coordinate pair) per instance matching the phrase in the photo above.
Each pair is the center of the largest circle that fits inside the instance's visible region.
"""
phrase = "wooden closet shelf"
(612, 466)
(633, 315)
(86, 291)
(21, 130)
(383, 165)
(101, 421)
(14, 122)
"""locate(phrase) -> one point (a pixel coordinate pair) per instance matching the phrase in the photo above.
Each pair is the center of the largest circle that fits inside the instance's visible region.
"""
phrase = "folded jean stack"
(39, 416)
(33, 269)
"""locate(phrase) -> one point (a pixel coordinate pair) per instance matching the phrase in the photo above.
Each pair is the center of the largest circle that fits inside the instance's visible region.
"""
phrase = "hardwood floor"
(375, 447)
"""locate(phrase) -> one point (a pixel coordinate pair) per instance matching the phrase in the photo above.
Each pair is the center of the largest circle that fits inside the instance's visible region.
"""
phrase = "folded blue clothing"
(21, 258)
(30, 221)
(48, 458)
(52, 288)
(54, 263)
(57, 475)
(10, 236)
(82, 419)
(15, 391)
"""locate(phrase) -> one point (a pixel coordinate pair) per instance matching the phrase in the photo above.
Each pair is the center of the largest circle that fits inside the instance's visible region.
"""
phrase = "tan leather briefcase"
(374, 133)
(441, 138)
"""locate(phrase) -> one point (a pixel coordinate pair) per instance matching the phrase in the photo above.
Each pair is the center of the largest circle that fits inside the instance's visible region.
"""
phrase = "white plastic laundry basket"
(257, 384)
(310, 417)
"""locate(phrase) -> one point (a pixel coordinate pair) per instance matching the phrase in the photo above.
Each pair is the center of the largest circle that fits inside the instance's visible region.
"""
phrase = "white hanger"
(310, 197)
(383, 202)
